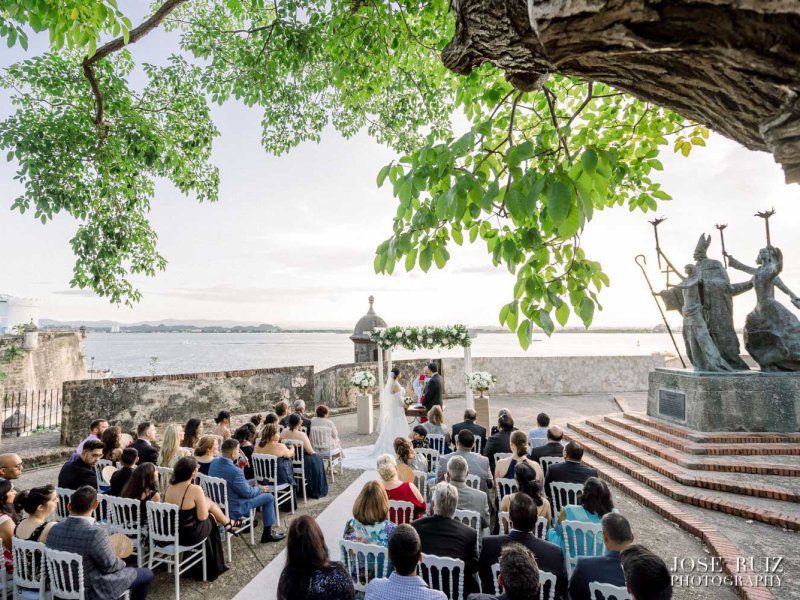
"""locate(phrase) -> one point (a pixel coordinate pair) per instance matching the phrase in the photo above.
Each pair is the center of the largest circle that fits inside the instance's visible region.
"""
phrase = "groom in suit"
(433, 387)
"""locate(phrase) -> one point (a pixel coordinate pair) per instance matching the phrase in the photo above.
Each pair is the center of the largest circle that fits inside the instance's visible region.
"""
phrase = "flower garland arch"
(422, 338)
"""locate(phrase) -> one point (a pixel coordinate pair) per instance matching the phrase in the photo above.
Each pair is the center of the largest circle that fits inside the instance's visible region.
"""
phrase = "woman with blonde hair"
(171, 450)
(397, 489)
(370, 523)
(436, 425)
(270, 443)
(519, 455)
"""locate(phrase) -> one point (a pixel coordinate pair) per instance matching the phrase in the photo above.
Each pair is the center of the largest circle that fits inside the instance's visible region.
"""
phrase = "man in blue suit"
(617, 536)
(241, 496)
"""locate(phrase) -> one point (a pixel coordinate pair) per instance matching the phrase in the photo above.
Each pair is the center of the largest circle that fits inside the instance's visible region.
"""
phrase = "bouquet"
(480, 381)
(362, 380)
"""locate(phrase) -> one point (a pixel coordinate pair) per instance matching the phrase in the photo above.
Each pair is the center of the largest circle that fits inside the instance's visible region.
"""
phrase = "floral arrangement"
(417, 338)
(480, 381)
(362, 380)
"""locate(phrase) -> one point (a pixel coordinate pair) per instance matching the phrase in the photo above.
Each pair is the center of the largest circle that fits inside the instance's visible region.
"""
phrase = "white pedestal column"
(365, 413)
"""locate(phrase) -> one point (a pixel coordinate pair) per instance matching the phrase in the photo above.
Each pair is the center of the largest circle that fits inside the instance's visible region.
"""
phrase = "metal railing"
(26, 412)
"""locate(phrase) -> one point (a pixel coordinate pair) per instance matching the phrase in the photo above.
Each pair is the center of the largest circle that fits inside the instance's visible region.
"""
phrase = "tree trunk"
(732, 65)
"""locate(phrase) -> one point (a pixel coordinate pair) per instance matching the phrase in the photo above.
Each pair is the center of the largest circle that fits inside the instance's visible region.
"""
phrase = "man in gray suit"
(468, 498)
(105, 576)
(478, 465)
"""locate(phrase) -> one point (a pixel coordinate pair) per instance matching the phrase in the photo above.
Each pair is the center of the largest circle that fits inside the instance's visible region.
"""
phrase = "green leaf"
(425, 258)
(411, 259)
(380, 262)
(382, 174)
(546, 322)
(589, 160)
(570, 225)
(559, 201)
(562, 314)
(511, 317)
(504, 314)
(586, 311)
(524, 334)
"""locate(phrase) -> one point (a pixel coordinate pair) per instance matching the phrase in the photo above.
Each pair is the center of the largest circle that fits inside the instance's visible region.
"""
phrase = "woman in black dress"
(309, 573)
(142, 486)
(198, 517)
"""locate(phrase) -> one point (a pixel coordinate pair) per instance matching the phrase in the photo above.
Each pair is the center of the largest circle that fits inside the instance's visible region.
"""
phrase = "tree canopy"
(524, 177)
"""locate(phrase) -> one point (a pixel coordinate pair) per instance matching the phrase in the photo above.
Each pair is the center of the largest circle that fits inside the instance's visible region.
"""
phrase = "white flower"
(407, 333)
(429, 340)
(463, 335)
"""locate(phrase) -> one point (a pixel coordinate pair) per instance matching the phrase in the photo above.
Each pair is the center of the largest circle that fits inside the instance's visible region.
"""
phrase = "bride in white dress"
(392, 424)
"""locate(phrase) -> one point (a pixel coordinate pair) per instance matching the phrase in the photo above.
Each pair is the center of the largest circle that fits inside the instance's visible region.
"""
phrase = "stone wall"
(176, 398)
(60, 357)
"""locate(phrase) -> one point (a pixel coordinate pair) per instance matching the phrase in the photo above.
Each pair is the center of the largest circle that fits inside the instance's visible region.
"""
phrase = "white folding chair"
(562, 494)
(436, 442)
(607, 591)
(432, 456)
(538, 441)
(540, 529)
(478, 446)
(102, 464)
(444, 574)
(298, 464)
(473, 481)
(472, 518)
(546, 461)
(496, 578)
(4, 584)
(505, 487)
(421, 481)
(265, 467)
(164, 475)
(504, 522)
(547, 585)
(216, 488)
(500, 456)
(30, 572)
(65, 570)
(162, 526)
(102, 514)
(322, 441)
(126, 518)
(401, 512)
(102, 486)
(364, 562)
(581, 539)
(64, 494)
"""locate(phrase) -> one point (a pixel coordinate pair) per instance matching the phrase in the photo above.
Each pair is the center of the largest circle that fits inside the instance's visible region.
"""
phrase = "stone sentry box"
(749, 401)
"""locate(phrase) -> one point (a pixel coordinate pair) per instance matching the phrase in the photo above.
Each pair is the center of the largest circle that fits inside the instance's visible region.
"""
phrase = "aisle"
(264, 586)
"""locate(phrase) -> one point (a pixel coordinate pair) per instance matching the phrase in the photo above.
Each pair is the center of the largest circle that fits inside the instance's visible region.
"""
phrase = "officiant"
(433, 387)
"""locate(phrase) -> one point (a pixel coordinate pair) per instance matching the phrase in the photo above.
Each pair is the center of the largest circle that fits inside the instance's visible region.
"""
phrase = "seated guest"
(370, 523)
(316, 480)
(537, 434)
(300, 409)
(478, 465)
(142, 486)
(396, 489)
(528, 483)
(519, 455)
(96, 429)
(646, 575)
(500, 413)
(171, 451)
(11, 466)
(309, 572)
(553, 447)
(407, 460)
(198, 517)
(8, 520)
(112, 445)
(246, 435)
(105, 576)
(270, 443)
(442, 535)
(121, 477)
(595, 502)
(192, 433)
(469, 423)
(38, 504)
(571, 470)
(518, 576)
(256, 420)
(242, 497)
(207, 450)
(81, 471)
(271, 418)
(617, 536)
(223, 421)
(435, 424)
(468, 498)
(500, 441)
(145, 443)
(419, 437)
(322, 420)
(403, 584)
(523, 519)
(282, 412)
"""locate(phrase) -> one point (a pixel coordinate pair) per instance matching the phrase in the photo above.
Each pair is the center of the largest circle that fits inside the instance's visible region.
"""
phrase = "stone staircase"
(745, 484)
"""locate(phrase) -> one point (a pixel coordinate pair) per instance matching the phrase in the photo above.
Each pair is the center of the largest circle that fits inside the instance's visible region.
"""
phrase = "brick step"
(720, 545)
(685, 494)
(684, 477)
(705, 437)
(689, 447)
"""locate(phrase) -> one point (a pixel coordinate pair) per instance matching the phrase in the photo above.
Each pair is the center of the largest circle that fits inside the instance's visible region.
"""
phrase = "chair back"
(496, 578)
(162, 522)
(498, 456)
(473, 481)
(30, 572)
(444, 574)
(401, 512)
(364, 562)
(102, 514)
(504, 522)
(102, 464)
(540, 529)
(65, 570)
(546, 461)
(431, 456)
(265, 468)
(64, 494)
(436, 442)
(562, 494)
(421, 481)
(299, 460)
(478, 445)
(321, 439)
(471, 518)
(581, 539)
(547, 585)
(164, 475)
(125, 517)
(505, 487)
(215, 488)
(606, 591)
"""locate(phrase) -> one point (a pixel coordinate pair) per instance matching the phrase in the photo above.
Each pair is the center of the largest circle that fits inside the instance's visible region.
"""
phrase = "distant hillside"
(165, 326)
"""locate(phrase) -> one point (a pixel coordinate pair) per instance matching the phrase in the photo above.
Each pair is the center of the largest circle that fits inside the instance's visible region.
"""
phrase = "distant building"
(17, 311)
(365, 349)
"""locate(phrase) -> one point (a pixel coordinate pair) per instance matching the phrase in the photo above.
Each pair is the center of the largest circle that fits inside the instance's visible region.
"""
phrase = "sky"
(292, 238)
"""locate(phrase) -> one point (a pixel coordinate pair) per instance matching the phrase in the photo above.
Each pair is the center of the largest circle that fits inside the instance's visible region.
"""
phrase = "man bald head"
(10, 466)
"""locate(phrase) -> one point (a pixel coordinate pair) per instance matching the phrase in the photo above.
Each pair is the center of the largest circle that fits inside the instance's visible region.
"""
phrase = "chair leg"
(228, 537)
(277, 510)
(177, 576)
(253, 527)
(205, 567)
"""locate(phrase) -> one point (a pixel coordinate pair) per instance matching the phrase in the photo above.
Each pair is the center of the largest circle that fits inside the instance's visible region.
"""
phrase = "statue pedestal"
(749, 401)
(482, 410)
(364, 411)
